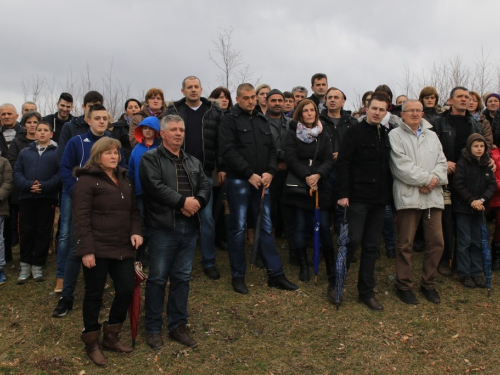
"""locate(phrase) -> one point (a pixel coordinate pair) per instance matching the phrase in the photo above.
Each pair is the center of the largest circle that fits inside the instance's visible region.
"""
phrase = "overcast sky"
(156, 43)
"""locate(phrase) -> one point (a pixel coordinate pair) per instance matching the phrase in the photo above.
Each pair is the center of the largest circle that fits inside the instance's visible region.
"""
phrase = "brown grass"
(267, 331)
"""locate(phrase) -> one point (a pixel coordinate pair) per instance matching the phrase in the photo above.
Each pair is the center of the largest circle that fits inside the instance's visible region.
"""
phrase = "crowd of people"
(418, 173)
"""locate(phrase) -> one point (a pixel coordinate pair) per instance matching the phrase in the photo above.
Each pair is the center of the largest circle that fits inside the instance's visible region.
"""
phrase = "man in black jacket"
(62, 116)
(364, 188)
(202, 119)
(247, 148)
(453, 127)
(174, 189)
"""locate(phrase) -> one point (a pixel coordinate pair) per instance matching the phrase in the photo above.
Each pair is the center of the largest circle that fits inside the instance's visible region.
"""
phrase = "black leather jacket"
(447, 134)
(158, 175)
(209, 126)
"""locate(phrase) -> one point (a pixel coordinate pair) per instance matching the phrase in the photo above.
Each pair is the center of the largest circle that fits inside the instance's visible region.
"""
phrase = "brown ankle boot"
(93, 349)
(111, 341)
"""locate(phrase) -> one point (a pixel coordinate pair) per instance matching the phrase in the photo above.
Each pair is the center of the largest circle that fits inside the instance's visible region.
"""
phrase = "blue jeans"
(469, 257)
(64, 234)
(72, 268)
(171, 253)
(207, 234)
(389, 232)
(241, 195)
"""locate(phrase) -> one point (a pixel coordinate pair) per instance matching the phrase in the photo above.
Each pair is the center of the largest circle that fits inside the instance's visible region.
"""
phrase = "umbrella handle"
(311, 191)
(263, 192)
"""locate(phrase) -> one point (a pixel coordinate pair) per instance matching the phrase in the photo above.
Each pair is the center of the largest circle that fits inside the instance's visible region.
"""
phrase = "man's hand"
(492, 165)
(451, 167)
(36, 187)
(477, 205)
(282, 166)
(88, 260)
(335, 156)
(191, 205)
(136, 240)
(266, 179)
(344, 202)
(433, 183)
(424, 190)
(222, 178)
(255, 181)
(312, 180)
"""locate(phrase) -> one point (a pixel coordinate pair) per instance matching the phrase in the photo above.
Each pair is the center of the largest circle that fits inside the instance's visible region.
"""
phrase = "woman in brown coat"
(155, 106)
(107, 229)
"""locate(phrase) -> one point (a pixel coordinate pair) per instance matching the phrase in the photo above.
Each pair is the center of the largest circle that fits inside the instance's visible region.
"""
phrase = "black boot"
(304, 264)
(495, 251)
(293, 256)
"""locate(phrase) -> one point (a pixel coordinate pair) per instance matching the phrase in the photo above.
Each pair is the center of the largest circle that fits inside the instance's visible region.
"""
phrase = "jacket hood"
(467, 154)
(80, 171)
(152, 122)
(52, 144)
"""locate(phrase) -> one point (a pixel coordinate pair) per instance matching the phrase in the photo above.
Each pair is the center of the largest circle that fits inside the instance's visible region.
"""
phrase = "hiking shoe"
(63, 307)
(37, 273)
(25, 273)
(407, 296)
(467, 282)
(431, 295)
(181, 335)
(3, 278)
(479, 281)
(59, 285)
(154, 340)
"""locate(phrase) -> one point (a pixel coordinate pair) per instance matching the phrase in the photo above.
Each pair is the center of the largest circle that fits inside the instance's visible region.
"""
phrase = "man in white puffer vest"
(419, 168)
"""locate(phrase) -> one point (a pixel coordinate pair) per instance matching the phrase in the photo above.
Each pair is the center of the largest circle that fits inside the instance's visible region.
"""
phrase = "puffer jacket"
(414, 162)
(447, 134)
(473, 180)
(6, 185)
(299, 156)
(105, 215)
(209, 127)
(246, 144)
(158, 175)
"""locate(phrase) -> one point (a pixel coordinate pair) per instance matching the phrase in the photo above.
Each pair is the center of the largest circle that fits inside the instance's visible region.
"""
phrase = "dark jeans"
(366, 222)
(279, 209)
(241, 195)
(63, 243)
(72, 268)
(469, 257)
(302, 219)
(36, 222)
(123, 275)
(207, 232)
(171, 253)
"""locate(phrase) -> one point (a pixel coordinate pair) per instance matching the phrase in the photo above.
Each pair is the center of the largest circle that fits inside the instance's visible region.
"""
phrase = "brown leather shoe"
(181, 335)
(93, 349)
(373, 304)
(154, 340)
(111, 341)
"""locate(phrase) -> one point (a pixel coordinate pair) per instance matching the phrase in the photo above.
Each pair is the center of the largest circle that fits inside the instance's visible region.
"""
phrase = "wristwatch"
(482, 200)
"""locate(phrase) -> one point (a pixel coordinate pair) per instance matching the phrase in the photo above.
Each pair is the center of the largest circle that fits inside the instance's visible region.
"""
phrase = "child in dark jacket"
(36, 176)
(473, 186)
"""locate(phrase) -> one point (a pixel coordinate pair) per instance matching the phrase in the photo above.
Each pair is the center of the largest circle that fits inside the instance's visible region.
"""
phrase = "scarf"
(128, 119)
(309, 135)
(152, 113)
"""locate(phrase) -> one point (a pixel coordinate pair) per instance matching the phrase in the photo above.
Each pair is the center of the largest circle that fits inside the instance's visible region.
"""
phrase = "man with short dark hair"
(453, 127)
(62, 116)
(319, 86)
(175, 189)
(201, 118)
(28, 107)
(247, 148)
(365, 185)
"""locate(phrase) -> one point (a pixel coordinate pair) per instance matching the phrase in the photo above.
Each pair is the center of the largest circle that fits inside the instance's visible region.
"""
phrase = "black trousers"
(366, 222)
(36, 222)
(280, 211)
(123, 275)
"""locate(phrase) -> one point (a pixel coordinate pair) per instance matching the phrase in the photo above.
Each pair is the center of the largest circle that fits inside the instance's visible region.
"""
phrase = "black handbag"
(295, 185)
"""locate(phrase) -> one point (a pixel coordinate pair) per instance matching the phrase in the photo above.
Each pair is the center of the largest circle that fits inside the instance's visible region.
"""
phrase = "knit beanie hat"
(475, 137)
(274, 92)
(492, 95)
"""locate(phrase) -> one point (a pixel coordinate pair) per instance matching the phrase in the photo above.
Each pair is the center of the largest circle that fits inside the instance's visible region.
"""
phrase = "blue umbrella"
(340, 266)
(316, 246)
(486, 252)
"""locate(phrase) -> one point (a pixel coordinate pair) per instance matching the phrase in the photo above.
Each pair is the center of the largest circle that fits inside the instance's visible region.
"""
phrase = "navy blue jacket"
(31, 166)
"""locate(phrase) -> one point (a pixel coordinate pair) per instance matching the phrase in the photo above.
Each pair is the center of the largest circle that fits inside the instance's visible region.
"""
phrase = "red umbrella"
(135, 304)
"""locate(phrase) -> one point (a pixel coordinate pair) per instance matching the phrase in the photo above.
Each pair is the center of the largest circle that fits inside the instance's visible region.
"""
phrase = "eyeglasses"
(413, 111)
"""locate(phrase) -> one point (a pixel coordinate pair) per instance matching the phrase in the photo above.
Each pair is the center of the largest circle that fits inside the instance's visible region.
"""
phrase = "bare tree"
(229, 61)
